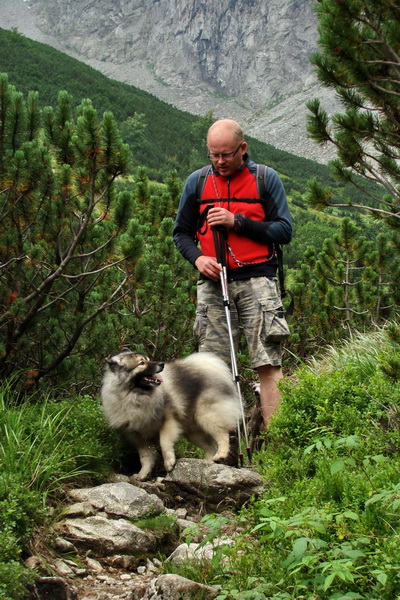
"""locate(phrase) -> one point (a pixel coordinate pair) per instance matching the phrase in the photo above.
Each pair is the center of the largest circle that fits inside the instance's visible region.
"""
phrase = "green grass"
(327, 524)
(43, 446)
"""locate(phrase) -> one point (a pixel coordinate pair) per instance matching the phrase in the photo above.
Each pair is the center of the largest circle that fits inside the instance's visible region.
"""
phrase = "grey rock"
(63, 569)
(184, 524)
(197, 552)
(175, 587)
(181, 513)
(216, 484)
(123, 561)
(62, 545)
(120, 499)
(94, 565)
(34, 562)
(151, 567)
(107, 536)
(246, 60)
(80, 509)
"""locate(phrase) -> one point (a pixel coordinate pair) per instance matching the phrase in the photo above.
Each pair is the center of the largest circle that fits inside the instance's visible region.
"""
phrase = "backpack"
(261, 179)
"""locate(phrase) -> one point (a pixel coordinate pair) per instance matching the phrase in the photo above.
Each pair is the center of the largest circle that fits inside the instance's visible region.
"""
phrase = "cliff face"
(256, 50)
(246, 59)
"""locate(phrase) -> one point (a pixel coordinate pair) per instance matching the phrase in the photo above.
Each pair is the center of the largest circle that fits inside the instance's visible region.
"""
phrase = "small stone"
(80, 509)
(104, 578)
(33, 562)
(94, 565)
(63, 569)
(80, 572)
(129, 563)
(157, 563)
(63, 545)
(150, 566)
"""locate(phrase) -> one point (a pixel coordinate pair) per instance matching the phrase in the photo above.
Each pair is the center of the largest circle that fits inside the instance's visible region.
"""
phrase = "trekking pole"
(219, 234)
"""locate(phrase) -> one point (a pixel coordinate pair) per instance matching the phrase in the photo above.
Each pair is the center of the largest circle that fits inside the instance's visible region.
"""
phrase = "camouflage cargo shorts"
(255, 308)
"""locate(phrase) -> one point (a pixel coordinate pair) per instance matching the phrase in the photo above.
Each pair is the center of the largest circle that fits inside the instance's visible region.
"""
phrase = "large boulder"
(213, 483)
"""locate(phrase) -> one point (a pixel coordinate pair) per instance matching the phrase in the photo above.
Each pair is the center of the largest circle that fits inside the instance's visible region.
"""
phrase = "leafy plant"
(327, 524)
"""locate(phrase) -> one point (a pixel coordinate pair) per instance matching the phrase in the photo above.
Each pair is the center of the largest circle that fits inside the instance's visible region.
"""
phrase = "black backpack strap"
(261, 178)
(201, 181)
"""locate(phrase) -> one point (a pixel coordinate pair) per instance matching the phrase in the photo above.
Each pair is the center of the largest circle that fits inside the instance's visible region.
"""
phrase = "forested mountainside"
(168, 138)
(247, 60)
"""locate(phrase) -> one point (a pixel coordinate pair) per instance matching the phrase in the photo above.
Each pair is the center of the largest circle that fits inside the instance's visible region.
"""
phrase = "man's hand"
(220, 216)
(208, 266)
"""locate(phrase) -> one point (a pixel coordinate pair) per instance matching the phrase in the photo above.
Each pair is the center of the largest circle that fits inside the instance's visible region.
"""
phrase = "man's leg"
(258, 301)
(269, 392)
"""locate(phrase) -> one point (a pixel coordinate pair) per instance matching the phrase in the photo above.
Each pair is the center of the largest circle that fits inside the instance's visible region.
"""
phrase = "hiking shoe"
(258, 442)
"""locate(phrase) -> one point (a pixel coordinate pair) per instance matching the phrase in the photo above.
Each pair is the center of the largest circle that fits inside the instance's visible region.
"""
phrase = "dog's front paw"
(169, 463)
(142, 475)
(218, 458)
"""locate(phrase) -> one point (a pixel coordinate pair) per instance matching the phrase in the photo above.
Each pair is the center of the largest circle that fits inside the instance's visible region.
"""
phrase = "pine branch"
(66, 351)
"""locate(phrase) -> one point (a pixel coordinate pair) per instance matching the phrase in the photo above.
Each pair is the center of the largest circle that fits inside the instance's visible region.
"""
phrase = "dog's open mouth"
(152, 380)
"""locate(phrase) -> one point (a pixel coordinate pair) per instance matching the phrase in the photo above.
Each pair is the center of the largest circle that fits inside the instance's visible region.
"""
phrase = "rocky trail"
(99, 548)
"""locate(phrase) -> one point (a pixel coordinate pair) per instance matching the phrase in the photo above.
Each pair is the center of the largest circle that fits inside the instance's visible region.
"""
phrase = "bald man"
(254, 226)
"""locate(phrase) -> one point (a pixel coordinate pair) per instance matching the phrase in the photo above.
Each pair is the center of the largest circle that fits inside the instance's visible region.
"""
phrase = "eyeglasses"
(224, 156)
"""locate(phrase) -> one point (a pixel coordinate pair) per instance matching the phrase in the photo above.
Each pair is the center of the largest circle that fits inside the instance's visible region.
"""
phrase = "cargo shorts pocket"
(200, 323)
(276, 328)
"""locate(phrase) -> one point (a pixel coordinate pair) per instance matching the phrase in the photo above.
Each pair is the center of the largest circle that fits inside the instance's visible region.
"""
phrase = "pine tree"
(381, 278)
(360, 60)
(63, 260)
(315, 323)
(351, 284)
(159, 314)
(340, 267)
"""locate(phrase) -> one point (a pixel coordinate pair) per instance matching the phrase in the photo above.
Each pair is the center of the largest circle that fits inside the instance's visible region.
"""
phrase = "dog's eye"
(141, 363)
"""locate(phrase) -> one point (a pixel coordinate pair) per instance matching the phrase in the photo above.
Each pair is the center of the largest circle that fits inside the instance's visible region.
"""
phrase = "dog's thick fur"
(194, 397)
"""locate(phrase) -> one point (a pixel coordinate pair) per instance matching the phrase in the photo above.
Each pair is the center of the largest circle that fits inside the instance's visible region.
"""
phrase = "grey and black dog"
(194, 397)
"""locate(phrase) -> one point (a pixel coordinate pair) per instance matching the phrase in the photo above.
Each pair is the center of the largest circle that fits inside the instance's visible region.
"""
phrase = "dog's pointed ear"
(112, 363)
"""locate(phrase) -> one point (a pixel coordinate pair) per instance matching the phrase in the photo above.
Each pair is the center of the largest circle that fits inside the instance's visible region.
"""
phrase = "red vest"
(238, 194)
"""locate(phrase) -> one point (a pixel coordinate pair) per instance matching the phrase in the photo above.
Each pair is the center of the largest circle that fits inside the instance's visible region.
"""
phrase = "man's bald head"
(224, 128)
(226, 146)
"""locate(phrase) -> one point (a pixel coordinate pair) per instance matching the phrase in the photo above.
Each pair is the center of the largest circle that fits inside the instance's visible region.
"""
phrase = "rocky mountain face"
(244, 59)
